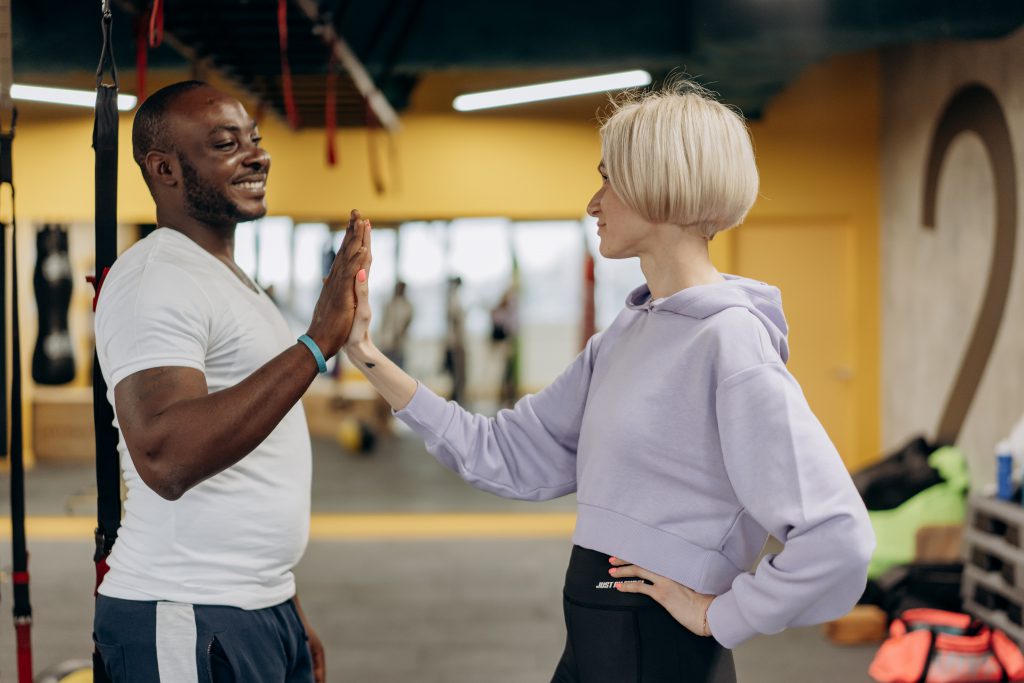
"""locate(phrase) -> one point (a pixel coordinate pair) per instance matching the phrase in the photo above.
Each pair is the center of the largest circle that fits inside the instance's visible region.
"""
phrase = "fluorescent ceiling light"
(551, 91)
(77, 98)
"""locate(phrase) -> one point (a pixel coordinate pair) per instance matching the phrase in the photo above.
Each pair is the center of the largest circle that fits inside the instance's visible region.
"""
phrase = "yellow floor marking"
(328, 527)
(464, 525)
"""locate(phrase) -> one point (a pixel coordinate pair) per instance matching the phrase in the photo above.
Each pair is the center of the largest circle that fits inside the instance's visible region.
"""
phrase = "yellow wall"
(818, 154)
(448, 166)
(817, 149)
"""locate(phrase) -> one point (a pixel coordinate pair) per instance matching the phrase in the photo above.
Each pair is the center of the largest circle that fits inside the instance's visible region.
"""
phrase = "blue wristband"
(321, 363)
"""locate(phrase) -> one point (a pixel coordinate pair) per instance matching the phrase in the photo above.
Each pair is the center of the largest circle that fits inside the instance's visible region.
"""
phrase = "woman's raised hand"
(394, 385)
(360, 333)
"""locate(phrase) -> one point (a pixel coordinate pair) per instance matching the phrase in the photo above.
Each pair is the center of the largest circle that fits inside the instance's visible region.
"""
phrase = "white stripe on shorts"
(176, 642)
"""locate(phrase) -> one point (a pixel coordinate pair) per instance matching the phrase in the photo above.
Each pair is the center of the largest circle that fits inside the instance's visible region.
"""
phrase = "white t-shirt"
(234, 538)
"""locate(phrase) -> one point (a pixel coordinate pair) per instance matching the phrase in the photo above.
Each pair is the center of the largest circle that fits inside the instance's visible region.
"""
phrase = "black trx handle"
(107, 51)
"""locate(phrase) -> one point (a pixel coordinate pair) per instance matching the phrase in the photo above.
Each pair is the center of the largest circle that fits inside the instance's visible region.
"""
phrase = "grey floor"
(437, 611)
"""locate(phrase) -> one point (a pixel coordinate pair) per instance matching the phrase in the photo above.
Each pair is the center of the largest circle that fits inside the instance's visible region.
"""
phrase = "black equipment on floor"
(910, 586)
(898, 477)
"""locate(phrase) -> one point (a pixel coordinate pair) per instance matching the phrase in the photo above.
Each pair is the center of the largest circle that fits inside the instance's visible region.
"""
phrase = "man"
(205, 381)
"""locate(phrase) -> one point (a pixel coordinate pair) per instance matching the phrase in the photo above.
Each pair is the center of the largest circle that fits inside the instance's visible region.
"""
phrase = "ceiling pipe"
(346, 57)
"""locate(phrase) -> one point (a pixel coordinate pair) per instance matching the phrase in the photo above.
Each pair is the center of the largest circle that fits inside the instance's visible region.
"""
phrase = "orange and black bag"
(935, 646)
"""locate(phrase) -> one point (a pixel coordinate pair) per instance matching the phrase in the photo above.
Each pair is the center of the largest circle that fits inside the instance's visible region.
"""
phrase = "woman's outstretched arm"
(528, 452)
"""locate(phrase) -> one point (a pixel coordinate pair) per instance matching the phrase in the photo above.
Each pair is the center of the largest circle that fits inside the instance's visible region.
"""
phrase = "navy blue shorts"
(172, 642)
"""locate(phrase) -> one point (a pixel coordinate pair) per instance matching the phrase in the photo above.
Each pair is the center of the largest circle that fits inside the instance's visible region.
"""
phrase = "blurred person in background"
(455, 340)
(505, 340)
(394, 326)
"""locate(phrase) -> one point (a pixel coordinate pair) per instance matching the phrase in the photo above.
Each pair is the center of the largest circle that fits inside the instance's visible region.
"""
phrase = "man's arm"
(179, 434)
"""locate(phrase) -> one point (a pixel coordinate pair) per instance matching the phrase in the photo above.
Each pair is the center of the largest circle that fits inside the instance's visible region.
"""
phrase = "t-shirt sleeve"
(155, 317)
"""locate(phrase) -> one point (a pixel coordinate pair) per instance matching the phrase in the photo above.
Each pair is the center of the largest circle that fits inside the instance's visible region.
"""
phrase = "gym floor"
(400, 579)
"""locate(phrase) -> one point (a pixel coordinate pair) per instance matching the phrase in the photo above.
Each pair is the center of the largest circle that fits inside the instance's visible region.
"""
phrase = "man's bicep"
(143, 397)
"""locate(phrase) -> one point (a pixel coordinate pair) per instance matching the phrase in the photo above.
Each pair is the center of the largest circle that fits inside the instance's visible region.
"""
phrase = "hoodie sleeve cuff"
(727, 624)
(426, 413)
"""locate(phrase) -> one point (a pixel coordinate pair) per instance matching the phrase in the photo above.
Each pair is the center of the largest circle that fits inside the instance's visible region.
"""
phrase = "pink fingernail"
(612, 560)
(612, 570)
(361, 275)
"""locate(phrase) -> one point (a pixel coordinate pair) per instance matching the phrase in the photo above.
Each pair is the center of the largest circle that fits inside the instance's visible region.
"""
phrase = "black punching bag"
(53, 361)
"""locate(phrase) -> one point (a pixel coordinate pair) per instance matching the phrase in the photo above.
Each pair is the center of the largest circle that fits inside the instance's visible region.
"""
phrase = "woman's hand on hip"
(686, 606)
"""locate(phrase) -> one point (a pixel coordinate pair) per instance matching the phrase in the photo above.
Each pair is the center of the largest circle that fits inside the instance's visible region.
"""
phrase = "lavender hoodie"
(687, 442)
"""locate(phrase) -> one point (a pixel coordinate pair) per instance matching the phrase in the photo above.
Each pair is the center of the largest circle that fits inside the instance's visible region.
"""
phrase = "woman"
(679, 427)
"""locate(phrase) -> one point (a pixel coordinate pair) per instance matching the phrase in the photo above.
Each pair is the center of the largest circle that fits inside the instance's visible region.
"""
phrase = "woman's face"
(621, 230)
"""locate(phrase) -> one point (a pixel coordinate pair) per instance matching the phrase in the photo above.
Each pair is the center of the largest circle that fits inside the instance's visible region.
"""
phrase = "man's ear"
(163, 168)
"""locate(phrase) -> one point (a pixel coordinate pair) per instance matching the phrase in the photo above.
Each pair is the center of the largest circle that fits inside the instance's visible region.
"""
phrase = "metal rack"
(993, 550)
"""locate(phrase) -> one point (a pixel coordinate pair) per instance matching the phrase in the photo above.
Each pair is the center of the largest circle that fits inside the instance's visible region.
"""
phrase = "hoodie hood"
(762, 300)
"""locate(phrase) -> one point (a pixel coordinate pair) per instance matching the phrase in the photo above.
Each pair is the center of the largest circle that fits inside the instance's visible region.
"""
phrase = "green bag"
(943, 503)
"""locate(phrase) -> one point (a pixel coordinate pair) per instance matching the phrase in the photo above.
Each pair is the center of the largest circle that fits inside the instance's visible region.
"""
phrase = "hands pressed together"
(686, 606)
(339, 315)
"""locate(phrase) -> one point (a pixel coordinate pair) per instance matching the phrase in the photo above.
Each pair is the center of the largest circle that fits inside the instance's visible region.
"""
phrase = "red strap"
(286, 72)
(141, 59)
(330, 111)
(156, 23)
(91, 279)
(19, 578)
(376, 175)
(101, 570)
(23, 633)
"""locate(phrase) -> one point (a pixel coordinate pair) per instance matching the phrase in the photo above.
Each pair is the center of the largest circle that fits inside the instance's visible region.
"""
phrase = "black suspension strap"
(7, 111)
(108, 473)
(19, 551)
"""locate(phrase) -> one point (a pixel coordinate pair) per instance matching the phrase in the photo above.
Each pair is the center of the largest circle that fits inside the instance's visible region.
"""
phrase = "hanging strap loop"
(107, 51)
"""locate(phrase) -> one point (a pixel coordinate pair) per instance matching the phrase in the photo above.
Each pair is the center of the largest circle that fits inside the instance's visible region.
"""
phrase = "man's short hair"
(679, 156)
(149, 130)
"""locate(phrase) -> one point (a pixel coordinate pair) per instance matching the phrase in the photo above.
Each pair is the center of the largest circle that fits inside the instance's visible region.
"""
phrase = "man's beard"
(209, 206)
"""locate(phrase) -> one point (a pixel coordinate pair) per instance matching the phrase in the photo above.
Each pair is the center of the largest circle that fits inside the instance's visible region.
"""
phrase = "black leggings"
(614, 637)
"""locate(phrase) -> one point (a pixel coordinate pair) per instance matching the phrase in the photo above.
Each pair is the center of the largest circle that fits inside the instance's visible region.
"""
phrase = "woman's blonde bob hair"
(679, 156)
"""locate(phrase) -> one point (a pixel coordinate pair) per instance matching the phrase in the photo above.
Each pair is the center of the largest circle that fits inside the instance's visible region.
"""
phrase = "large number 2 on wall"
(975, 108)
